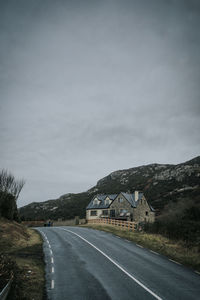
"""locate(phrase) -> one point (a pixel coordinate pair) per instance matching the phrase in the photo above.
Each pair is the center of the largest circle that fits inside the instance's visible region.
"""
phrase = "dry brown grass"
(24, 246)
(175, 250)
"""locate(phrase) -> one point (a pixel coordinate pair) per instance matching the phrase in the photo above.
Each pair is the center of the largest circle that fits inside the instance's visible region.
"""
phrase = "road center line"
(52, 261)
(52, 284)
(117, 265)
(52, 270)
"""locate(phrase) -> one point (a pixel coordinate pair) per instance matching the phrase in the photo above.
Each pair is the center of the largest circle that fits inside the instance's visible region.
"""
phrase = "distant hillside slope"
(161, 184)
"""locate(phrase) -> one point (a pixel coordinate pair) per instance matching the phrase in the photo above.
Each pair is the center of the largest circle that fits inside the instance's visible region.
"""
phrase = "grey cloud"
(89, 87)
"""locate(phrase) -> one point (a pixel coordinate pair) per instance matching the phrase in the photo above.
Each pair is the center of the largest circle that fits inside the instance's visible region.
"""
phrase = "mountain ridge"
(161, 184)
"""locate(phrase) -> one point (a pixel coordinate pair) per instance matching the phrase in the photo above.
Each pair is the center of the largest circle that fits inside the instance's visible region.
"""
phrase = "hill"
(162, 184)
(21, 257)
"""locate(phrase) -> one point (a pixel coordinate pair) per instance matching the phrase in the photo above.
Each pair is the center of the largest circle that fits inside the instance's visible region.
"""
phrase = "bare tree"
(9, 185)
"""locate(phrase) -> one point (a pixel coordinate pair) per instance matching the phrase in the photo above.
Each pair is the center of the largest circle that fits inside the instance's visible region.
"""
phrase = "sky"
(90, 87)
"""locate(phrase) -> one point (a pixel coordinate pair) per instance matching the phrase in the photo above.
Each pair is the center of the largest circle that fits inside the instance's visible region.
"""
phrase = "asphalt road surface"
(87, 264)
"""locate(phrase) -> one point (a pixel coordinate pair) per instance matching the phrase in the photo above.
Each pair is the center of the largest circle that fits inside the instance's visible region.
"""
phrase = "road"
(87, 264)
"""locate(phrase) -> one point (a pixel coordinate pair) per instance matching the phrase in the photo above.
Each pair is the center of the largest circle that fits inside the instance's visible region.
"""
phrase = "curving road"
(87, 264)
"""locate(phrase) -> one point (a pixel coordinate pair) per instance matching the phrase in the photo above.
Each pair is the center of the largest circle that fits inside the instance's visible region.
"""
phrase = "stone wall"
(117, 206)
(143, 213)
(71, 222)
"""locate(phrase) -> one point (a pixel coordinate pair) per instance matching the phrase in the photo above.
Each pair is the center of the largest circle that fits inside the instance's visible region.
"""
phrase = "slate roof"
(101, 197)
(152, 209)
(131, 198)
(102, 204)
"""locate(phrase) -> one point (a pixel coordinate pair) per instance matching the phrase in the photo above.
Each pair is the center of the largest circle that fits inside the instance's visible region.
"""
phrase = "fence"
(127, 225)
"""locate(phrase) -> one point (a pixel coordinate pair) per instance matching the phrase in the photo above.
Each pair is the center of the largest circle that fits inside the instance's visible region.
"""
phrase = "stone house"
(122, 206)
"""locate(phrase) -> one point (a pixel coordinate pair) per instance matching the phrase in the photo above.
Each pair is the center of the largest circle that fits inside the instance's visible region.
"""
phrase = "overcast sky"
(90, 87)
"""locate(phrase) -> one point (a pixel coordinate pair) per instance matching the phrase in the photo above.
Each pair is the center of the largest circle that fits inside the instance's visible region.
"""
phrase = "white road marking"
(128, 241)
(52, 284)
(197, 272)
(117, 265)
(154, 252)
(51, 252)
(174, 261)
(52, 270)
(118, 237)
(52, 260)
(139, 246)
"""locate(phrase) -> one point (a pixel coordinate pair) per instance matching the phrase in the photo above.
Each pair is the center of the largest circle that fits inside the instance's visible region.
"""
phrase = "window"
(120, 200)
(112, 213)
(105, 212)
(147, 213)
(123, 211)
(93, 213)
(107, 201)
(95, 202)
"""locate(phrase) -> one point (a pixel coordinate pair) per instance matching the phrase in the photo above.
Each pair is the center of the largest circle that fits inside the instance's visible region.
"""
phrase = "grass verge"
(22, 255)
(176, 250)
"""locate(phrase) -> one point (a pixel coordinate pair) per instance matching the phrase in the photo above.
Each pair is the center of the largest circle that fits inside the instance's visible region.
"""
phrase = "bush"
(180, 224)
(7, 205)
(9, 192)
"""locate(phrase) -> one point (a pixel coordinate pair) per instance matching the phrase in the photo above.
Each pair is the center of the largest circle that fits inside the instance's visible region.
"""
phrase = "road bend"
(87, 264)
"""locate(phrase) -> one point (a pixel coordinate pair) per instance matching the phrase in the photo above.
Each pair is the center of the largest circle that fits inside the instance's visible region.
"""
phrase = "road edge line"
(116, 264)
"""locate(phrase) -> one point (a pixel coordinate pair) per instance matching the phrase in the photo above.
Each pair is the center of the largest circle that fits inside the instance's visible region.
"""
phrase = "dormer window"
(107, 202)
(96, 201)
(120, 200)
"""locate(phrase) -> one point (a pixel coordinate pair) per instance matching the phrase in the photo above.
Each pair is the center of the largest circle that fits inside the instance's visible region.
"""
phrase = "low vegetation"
(180, 221)
(174, 249)
(21, 257)
(21, 253)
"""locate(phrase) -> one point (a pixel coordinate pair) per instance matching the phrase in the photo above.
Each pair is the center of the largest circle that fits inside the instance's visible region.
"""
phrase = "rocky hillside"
(161, 184)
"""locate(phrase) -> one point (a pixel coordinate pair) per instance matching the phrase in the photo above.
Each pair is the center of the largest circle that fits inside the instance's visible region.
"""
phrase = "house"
(122, 206)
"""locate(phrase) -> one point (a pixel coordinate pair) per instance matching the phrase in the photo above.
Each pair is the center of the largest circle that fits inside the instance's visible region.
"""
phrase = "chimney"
(136, 195)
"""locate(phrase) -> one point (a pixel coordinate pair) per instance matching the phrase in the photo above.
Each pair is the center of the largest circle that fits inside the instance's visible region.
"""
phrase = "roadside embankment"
(21, 258)
(176, 250)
